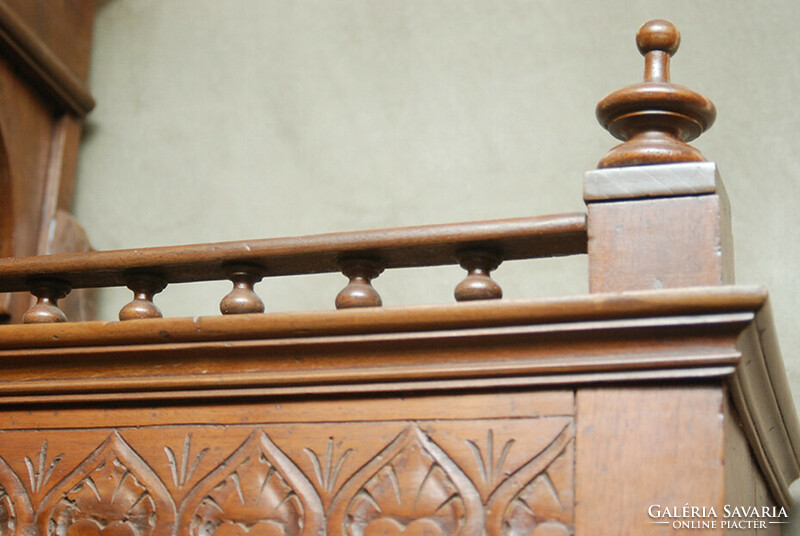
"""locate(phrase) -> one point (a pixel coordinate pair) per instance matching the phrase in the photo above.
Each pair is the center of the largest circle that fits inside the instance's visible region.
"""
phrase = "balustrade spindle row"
(242, 299)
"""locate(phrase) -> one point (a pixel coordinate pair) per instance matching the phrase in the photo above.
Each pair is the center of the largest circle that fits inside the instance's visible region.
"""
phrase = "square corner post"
(658, 226)
(676, 443)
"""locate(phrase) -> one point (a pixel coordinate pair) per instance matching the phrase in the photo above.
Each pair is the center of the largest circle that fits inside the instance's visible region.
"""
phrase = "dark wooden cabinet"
(657, 403)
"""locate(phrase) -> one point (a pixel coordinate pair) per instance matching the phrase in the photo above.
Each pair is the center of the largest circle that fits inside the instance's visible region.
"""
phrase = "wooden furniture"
(610, 413)
(44, 62)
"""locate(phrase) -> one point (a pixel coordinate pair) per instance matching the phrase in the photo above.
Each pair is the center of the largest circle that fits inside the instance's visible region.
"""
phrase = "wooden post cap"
(656, 118)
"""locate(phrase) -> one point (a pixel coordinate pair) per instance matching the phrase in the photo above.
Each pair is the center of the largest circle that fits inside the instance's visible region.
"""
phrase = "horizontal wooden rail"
(479, 247)
(430, 245)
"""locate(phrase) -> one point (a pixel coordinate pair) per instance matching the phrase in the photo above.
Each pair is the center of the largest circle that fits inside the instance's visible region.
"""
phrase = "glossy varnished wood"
(519, 238)
(482, 455)
(49, 42)
(550, 417)
(506, 313)
(655, 118)
(45, 57)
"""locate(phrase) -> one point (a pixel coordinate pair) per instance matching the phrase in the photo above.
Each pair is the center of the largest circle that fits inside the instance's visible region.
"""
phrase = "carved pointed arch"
(16, 511)
(257, 490)
(508, 511)
(411, 485)
(112, 492)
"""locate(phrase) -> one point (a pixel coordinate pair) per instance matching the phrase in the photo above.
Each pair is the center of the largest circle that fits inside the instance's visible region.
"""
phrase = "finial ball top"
(658, 34)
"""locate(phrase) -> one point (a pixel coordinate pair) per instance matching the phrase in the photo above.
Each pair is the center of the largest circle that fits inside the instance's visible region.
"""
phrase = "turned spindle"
(656, 118)
(242, 299)
(359, 291)
(144, 287)
(478, 285)
(47, 292)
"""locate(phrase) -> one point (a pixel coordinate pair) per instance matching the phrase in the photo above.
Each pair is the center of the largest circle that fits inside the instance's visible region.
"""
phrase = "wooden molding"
(491, 345)
(385, 320)
(548, 354)
(38, 61)
(760, 392)
(716, 335)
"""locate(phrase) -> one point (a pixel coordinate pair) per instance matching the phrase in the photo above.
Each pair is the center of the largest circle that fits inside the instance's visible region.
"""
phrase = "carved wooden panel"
(500, 477)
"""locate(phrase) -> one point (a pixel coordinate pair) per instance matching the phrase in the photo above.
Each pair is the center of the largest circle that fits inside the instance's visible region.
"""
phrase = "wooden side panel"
(640, 446)
(744, 482)
(764, 498)
(741, 471)
(471, 465)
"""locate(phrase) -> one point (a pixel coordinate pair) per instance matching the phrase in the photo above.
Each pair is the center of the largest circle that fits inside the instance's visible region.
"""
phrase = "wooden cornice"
(42, 65)
(716, 334)
(760, 391)
(382, 320)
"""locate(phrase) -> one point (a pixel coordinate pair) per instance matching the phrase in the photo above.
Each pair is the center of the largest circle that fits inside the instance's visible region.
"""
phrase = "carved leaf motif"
(16, 511)
(409, 487)
(328, 469)
(182, 472)
(111, 499)
(113, 492)
(528, 498)
(490, 466)
(256, 491)
(8, 521)
(40, 475)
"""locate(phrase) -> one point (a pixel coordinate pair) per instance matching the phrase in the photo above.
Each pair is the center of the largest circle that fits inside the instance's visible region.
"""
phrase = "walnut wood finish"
(341, 469)
(49, 42)
(656, 117)
(550, 417)
(47, 292)
(359, 291)
(485, 404)
(242, 298)
(45, 47)
(478, 285)
(519, 238)
(671, 238)
(144, 287)
(346, 350)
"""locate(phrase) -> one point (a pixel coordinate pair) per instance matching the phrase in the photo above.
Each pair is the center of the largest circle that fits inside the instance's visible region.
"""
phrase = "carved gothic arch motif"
(256, 489)
(113, 489)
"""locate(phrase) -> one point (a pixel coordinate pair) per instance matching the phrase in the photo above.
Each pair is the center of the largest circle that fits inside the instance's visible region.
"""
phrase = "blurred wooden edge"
(760, 391)
(42, 65)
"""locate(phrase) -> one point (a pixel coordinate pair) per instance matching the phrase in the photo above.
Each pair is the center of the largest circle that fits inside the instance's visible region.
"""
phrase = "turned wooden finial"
(359, 291)
(478, 285)
(656, 118)
(242, 299)
(144, 288)
(47, 292)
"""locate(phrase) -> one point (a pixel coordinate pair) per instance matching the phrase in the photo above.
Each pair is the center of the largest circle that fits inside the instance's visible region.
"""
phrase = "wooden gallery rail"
(599, 414)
